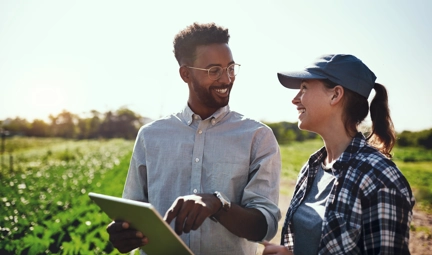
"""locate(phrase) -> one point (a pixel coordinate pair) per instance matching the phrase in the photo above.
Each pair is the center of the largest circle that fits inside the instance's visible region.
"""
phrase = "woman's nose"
(296, 99)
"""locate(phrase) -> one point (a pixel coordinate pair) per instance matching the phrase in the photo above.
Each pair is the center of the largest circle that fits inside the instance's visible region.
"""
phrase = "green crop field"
(44, 204)
(45, 208)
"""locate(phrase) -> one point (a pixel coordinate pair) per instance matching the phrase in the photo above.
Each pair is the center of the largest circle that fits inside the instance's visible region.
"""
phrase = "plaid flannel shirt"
(369, 208)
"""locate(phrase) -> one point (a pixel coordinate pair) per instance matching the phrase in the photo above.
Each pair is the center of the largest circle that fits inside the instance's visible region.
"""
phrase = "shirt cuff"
(272, 223)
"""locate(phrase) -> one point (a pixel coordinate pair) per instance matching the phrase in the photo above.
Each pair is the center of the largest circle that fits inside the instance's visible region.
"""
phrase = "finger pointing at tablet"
(191, 211)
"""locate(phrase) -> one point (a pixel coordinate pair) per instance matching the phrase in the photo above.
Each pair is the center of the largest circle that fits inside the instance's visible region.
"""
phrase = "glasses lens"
(215, 72)
(233, 70)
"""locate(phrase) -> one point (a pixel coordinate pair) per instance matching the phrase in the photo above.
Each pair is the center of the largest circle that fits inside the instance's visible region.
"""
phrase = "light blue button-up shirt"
(181, 155)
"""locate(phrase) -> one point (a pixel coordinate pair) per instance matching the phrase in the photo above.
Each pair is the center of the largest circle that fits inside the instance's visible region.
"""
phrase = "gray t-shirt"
(308, 218)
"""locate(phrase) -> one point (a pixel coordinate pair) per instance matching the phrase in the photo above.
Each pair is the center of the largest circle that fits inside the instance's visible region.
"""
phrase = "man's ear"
(184, 73)
(337, 96)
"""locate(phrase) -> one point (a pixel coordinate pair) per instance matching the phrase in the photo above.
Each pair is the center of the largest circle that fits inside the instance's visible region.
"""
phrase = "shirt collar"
(357, 143)
(187, 115)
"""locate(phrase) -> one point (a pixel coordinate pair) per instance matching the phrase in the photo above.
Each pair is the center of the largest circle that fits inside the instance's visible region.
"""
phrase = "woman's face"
(313, 105)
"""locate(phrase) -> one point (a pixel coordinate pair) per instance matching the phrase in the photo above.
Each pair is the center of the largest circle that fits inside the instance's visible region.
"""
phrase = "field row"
(44, 202)
(45, 209)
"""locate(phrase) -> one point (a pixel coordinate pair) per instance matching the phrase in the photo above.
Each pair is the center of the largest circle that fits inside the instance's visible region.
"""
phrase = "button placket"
(197, 166)
(197, 156)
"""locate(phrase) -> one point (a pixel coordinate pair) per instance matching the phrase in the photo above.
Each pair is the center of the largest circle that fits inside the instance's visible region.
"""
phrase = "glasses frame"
(223, 69)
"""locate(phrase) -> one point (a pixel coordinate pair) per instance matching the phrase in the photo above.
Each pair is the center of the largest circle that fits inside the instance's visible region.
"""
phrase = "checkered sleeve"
(386, 218)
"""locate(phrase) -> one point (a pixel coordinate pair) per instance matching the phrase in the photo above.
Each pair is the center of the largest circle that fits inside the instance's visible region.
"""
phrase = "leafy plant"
(44, 202)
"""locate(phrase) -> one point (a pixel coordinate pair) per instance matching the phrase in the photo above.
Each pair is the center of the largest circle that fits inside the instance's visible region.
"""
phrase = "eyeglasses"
(215, 72)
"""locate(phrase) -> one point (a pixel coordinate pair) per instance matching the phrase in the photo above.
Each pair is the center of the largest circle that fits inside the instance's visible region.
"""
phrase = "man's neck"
(204, 113)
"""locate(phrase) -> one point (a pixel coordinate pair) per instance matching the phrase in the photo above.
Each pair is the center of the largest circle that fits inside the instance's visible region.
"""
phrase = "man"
(207, 169)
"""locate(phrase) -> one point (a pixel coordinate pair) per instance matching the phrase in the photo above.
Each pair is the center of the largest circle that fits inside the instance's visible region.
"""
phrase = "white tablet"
(145, 218)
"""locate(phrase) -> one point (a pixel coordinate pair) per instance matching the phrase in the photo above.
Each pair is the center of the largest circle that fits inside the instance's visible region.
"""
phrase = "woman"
(350, 198)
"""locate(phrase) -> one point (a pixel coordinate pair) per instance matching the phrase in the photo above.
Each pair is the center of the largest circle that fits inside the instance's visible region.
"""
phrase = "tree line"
(415, 139)
(287, 132)
(124, 123)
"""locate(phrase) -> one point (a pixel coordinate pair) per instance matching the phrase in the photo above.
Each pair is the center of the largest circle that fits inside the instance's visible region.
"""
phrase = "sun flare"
(46, 98)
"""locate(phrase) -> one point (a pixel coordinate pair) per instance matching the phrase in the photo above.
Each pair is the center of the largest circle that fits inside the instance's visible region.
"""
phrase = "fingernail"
(139, 234)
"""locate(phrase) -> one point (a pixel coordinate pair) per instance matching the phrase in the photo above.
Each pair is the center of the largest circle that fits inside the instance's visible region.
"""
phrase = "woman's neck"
(335, 144)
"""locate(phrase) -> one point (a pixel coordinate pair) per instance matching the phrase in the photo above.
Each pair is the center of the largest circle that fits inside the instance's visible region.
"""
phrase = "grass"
(16, 143)
(419, 175)
(414, 163)
(412, 154)
(294, 156)
(52, 177)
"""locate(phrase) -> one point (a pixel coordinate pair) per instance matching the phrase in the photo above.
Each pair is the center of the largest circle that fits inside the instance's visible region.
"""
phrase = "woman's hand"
(273, 249)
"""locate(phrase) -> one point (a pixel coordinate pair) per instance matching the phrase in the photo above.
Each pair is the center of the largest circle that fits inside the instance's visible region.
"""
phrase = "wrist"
(225, 204)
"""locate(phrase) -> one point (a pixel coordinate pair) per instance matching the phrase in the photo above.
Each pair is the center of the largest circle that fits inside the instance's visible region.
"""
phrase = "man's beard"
(206, 97)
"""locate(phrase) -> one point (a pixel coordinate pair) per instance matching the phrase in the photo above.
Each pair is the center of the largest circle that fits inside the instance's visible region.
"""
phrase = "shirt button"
(195, 191)
(197, 160)
(213, 122)
(200, 132)
(196, 117)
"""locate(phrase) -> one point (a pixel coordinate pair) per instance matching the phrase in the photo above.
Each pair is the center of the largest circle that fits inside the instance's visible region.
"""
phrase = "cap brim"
(292, 80)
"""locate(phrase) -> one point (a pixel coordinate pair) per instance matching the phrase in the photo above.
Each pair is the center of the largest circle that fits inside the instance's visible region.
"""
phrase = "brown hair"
(356, 108)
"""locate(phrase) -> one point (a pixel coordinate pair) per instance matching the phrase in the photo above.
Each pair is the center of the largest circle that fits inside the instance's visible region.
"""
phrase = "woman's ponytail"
(382, 135)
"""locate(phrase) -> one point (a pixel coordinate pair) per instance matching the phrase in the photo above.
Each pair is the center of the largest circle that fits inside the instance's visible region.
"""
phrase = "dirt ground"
(420, 234)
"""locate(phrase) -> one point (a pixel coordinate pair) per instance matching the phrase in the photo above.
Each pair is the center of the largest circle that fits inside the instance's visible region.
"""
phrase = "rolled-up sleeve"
(262, 191)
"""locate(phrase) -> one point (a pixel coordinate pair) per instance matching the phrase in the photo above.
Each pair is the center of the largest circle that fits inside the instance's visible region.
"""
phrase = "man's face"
(206, 94)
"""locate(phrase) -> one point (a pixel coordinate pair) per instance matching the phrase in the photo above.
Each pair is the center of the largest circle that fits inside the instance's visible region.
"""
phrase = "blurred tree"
(63, 125)
(406, 138)
(89, 128)
(286, 132)
(107, 125)
(16, 126)
(124, 123)
(39, 128)
(425, 139)
(413, 139)
(127, 124)
(95, 124)
(83, 126)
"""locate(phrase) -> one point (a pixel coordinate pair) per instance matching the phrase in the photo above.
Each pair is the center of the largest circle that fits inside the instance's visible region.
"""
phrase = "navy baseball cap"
(342, 69)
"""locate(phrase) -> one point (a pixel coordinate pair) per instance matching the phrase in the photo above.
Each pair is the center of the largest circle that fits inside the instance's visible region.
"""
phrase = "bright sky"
(102, 55)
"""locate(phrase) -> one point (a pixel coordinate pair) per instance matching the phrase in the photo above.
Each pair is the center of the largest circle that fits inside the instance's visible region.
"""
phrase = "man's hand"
(124, 238)
(273, 249)
(191, 211)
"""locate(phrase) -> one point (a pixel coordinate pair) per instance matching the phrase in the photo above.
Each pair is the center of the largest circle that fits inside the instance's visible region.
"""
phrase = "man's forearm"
(244, 222)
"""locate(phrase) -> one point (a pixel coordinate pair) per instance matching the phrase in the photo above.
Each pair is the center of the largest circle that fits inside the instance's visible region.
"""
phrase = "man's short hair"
(187, 40)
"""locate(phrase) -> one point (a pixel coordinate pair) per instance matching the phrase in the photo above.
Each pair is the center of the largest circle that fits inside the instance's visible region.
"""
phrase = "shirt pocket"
(228, 178)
